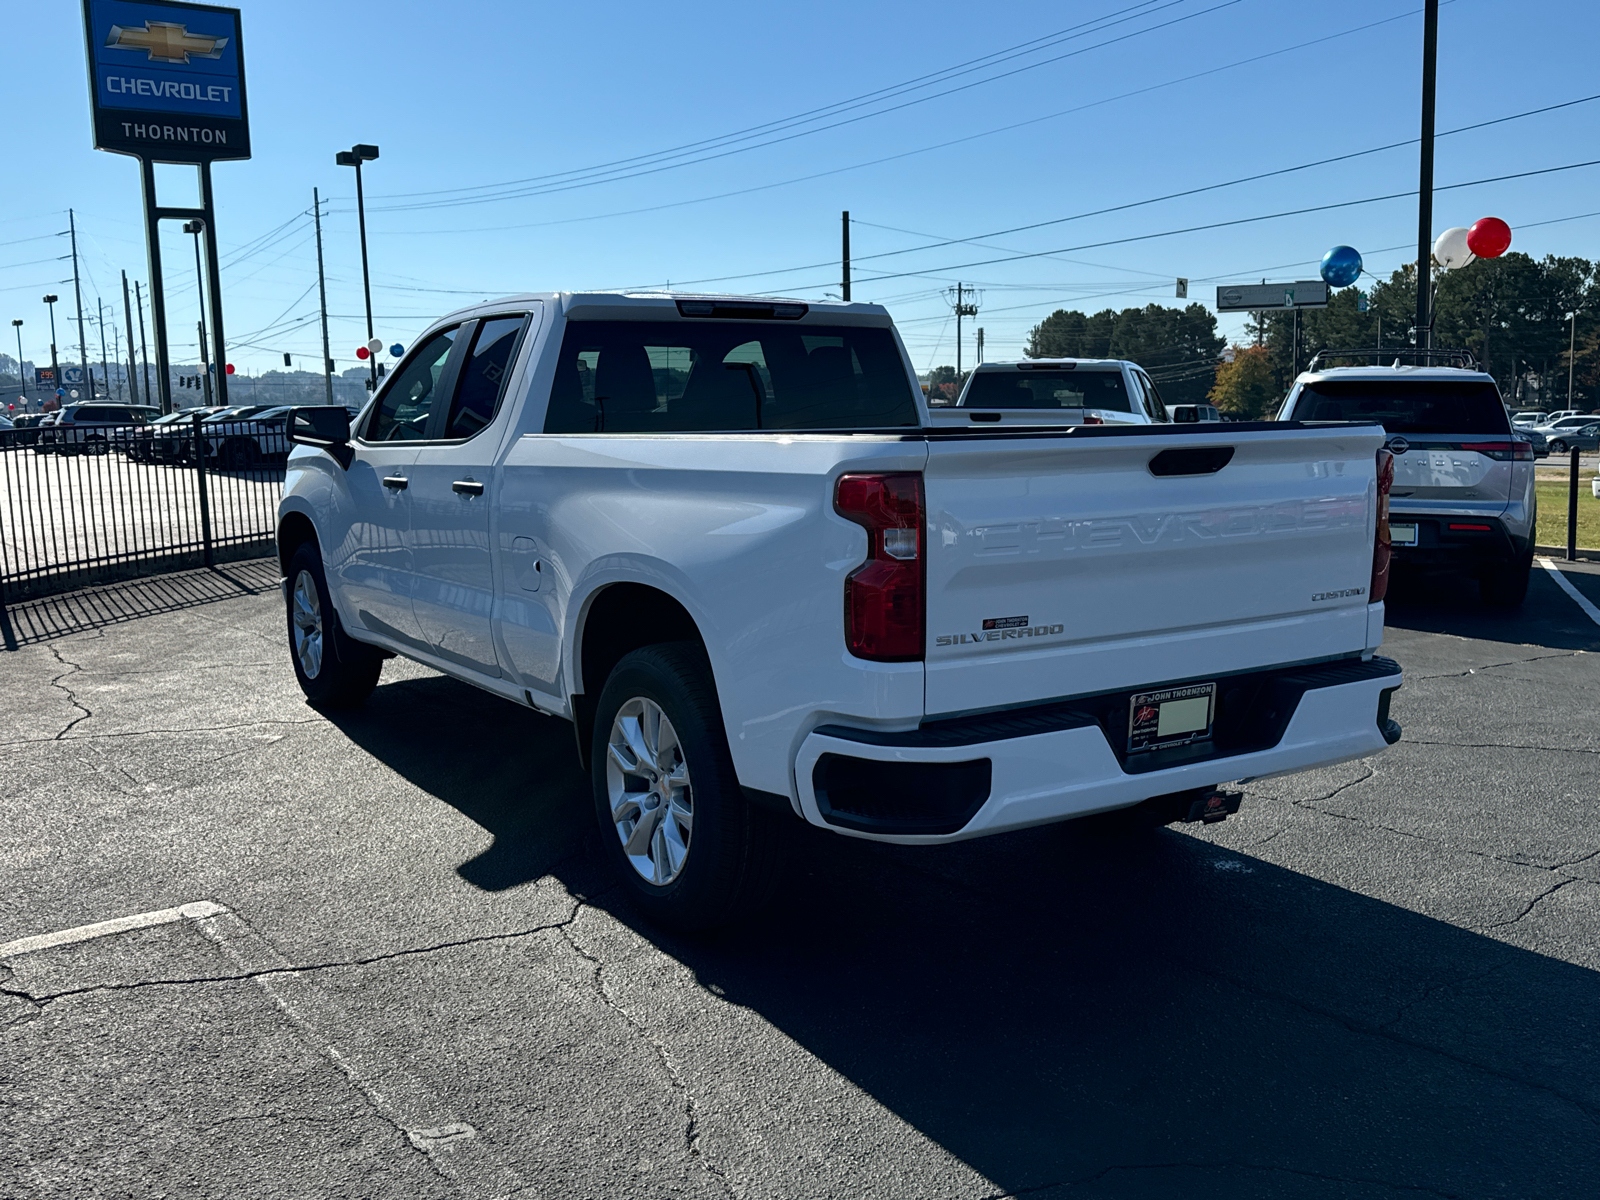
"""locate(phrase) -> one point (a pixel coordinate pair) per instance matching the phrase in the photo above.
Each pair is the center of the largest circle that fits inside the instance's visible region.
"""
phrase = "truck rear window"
(726, 376)
(1406, 406)
(1047, 389)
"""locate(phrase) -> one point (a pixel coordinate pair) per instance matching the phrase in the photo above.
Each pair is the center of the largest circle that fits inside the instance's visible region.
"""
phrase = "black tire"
(343, 671)
(732, 855)
(1506, 587)
(96, 446)
(1558, 447)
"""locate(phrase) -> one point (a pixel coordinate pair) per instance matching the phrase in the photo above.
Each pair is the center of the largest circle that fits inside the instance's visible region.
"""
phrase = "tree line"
(1512, 312)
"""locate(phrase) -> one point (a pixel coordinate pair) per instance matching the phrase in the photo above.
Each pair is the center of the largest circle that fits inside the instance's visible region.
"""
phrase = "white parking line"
(100, 929)
(454, 1147)
(1578, 598)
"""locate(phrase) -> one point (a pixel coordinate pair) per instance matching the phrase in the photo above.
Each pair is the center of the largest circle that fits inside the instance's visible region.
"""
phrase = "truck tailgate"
(1062, 563)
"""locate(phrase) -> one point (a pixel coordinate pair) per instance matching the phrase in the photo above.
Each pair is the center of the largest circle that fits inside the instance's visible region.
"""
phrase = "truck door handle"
(397, 482)
(467, 487)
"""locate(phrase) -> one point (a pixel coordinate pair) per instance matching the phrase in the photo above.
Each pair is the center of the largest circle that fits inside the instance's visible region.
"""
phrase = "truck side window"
(483, 376)
(402, 414)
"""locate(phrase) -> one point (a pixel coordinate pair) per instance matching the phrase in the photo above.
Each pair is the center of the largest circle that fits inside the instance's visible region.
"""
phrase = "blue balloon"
(1341, 266)
(397, 349)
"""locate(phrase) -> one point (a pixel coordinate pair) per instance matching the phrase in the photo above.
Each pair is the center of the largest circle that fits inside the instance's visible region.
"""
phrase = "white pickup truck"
(727, 539)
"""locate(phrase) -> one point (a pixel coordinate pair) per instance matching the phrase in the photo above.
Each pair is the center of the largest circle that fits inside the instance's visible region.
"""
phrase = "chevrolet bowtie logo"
(165, 42)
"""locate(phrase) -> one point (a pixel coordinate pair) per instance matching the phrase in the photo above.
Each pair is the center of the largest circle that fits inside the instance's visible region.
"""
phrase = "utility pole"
(962, 309)
(144, 349)
(105, 370)
(127, 319)
(845, 279)
(980, 346)
(77, 290)
(1572, 344)
(1430, 69)
(322, 293)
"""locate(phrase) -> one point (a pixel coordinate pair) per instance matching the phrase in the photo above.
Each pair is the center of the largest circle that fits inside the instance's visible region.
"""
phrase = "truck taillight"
(884, 598)
(1380, 541)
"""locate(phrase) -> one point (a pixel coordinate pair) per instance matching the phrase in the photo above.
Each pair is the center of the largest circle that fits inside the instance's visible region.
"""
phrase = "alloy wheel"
(647, 784)
(305, 619)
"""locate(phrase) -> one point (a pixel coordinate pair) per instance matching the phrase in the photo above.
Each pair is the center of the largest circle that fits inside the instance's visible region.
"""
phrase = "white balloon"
(376, 344)
(1450, 251)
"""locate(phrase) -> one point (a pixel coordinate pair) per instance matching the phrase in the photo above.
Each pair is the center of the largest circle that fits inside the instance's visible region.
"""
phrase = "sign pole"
(219, 357)
(158, 300)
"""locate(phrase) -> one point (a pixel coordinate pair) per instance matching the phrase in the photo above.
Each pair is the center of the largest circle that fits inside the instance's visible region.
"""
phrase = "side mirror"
(325, 426)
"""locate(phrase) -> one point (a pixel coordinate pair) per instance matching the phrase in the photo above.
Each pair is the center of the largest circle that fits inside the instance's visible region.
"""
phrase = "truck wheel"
(333, 669)
(1506, 588)
(674, 822)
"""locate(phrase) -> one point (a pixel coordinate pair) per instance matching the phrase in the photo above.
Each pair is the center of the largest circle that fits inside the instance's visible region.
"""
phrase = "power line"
(1292, 212)
(522, 192)
(1132, 204)
(821, 112)
(923, 149)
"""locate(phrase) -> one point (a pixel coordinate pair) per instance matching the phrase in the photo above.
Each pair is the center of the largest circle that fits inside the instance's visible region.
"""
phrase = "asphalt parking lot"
(395, 969)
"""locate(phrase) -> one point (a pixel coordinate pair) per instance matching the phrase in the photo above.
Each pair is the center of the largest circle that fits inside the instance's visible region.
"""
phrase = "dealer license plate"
(1402, 535)
(1174, 717)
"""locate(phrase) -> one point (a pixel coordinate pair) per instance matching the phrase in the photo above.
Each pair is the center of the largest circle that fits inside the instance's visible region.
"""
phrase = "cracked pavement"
(1377, 979)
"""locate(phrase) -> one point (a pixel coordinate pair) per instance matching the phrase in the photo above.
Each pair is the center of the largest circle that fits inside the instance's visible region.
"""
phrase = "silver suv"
(93, 428)
(1463, 495)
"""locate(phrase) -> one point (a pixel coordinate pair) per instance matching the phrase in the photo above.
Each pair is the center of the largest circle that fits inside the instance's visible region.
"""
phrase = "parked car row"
(234, 437)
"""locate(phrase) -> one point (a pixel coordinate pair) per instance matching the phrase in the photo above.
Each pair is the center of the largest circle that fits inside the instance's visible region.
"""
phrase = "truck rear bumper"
(949, 781)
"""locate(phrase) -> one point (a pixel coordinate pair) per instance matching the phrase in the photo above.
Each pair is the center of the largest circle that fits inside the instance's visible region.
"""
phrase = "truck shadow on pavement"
(1449, 605)
(1062, 1011)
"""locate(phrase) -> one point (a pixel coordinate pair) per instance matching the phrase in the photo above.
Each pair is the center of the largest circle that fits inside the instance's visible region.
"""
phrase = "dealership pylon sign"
(166, 85)
(167, 80)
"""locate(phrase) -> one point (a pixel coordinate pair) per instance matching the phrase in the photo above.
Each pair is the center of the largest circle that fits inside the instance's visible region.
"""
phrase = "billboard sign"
(166, 80)
(1254, 297)
(72, 375)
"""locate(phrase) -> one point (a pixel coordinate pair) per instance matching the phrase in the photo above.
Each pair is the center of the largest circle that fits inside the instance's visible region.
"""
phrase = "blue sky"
(471, 95)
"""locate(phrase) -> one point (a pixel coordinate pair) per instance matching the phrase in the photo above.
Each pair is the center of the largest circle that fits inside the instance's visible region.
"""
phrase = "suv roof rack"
(1409, 355)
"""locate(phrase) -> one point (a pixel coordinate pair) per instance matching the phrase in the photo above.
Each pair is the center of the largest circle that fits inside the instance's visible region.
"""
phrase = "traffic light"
(286, 359)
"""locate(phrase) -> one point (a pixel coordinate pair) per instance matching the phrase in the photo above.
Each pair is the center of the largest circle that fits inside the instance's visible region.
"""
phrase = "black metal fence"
(91, 503)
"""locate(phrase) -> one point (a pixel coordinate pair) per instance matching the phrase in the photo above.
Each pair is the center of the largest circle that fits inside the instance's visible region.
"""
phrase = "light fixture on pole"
(55, 370)
(22, 379)
(354, 157)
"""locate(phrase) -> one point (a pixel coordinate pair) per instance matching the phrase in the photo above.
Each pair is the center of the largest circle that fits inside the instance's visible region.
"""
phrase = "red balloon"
(362, 352)
(1489, 237)
(229, 368)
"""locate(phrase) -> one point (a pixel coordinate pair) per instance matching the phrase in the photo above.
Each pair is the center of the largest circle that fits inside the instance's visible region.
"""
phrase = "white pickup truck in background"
(726, 538)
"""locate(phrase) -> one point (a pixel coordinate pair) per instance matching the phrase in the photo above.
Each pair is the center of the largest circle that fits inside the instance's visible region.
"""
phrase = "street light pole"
(197, 227)
(22, 377)
(354, 157)
(1572, 342)
(55, 369)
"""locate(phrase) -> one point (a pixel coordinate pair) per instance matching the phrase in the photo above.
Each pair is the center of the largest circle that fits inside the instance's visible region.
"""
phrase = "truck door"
(373, 560)
(451, 494)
